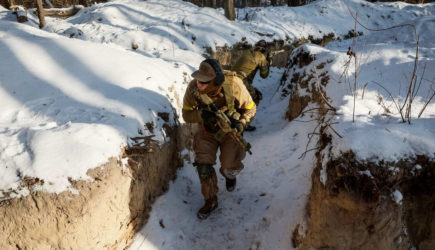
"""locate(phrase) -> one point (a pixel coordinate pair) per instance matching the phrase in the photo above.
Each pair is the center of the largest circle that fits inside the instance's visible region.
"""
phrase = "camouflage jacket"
(243, 102)
(246, 66)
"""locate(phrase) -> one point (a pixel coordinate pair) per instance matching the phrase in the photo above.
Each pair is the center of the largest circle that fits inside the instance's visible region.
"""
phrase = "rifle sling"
(229, 98)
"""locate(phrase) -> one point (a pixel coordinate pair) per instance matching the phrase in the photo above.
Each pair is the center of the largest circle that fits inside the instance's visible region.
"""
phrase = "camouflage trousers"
(231, 156)
(253, 91)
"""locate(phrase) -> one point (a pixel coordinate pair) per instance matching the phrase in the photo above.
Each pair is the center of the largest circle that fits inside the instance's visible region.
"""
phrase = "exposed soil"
(353, 209)
(98, 216)
(356, 211)
(106, 213)
(279, 50)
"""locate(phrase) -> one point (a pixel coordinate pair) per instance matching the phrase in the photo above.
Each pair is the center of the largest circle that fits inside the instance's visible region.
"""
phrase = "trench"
(349, 212)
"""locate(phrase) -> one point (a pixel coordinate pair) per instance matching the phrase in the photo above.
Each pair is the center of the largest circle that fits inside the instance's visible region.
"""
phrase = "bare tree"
(230, 13)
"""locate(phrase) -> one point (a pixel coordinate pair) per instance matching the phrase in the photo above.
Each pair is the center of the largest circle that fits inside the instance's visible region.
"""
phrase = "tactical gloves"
(239, 126)
(210, 121)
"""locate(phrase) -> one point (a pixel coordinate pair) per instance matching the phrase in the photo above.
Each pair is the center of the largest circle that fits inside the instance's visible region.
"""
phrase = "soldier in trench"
(212, 87)
(247, 66)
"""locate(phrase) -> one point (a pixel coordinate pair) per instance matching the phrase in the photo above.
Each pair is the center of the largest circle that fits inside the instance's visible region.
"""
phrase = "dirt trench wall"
(96, 217)
(340, 218)
(105, 214)
(353, 210)
(278, 50)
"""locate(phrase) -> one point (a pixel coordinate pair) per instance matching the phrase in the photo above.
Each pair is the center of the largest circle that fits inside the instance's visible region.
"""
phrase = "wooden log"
(64, 12)
(20, 12)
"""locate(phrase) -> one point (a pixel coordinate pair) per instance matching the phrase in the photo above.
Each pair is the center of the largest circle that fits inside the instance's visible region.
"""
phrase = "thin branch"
(430, 99)
(409, 93)
(310, 136)
(421, 79)
(364, 90)
(329, 126)
(414, 74)
(304, 121)
(403, 119)
(355, 85)
(306, 151)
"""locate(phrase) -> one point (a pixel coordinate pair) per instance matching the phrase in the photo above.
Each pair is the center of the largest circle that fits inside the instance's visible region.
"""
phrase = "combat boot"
(210, 205)
(250, 128)
(230, 184)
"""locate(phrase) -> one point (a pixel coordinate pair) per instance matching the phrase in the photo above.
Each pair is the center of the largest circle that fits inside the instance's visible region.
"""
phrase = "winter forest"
(217, 124)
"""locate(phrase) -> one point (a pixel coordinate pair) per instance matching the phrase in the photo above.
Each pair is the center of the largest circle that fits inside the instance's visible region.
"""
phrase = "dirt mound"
(98, 216)
(106, 213)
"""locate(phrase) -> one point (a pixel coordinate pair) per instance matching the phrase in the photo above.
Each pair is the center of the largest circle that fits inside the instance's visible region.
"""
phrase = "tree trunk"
(10, 3)
(294, 3)
(40, 14)
(244, 3)
(213, 4)
(274, 2)
(230, 13)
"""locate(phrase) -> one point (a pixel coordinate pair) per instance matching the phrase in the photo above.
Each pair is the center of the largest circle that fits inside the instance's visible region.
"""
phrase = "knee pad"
(205, 171)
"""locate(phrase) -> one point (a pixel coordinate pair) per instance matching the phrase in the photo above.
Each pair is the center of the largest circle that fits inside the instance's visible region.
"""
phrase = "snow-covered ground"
(63, 98)
(268, 202)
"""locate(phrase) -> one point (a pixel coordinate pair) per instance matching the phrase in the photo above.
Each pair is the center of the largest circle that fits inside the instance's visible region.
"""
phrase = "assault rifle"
(268, 59)
(226, 125)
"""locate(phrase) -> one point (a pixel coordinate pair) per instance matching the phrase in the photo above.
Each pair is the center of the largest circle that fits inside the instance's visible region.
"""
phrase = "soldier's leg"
(205, 147)
(258, 96)
(253, 92)
(232, 154)
(250, 88)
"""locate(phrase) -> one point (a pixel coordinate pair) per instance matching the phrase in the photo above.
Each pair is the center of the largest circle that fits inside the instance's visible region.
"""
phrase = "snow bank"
(68, 105)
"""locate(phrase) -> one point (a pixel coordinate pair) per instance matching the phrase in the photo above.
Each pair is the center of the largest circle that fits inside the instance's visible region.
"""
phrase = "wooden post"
(11, 3)
(40, 14)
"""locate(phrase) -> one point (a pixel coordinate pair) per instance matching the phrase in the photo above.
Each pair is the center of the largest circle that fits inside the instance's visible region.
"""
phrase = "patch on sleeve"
(185, 107)
(251, 105)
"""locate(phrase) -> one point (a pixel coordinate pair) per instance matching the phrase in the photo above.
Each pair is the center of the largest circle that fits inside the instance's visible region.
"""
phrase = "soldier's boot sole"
(230, 184)
(250, 128)
(210, 205)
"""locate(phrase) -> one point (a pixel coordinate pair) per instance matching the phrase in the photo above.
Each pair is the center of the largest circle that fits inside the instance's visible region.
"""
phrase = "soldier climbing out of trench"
(246, 67)
(220, 102)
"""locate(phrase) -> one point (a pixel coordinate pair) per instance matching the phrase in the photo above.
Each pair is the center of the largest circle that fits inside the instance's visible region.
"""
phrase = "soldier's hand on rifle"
(240, 127)
(268, 59)
(209, 120)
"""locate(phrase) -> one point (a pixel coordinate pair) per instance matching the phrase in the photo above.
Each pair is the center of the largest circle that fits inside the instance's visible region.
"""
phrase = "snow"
(53, 87)
(269, 199)
(73, 93)
(397, 196)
